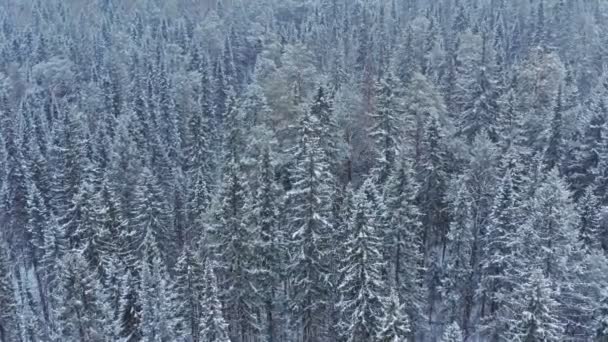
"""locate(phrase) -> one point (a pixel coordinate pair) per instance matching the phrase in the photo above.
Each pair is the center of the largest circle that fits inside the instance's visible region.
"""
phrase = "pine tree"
(363, 288)
(213, 328)
(8, 325)
(188, 291)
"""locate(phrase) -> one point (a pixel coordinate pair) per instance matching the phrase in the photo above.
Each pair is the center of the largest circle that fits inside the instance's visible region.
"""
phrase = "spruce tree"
(155, 299)
(310, 209)
(387, 126)
(536, 317)
(9, 329)
(81, 312)
(213, 327)
(458, 268)
(452, 333)
(403, 239)
(395, 322)
(187, 290)
(363, 289)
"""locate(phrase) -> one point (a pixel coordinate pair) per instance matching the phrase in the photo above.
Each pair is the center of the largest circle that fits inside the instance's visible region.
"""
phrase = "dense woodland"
(303, 170)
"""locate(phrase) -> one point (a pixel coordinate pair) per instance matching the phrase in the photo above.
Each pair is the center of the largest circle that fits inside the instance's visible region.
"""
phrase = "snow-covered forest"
(303, 170)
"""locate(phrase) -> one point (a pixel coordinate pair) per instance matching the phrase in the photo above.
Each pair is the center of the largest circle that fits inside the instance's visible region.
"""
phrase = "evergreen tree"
(363, 288)
(395, 323)
(269, 241)
(151, 213)
(458, 269)
(536, 319)
(589, 226)
(234, 246)
(386, 129)
(187, 290)
(155, 298)
(213, 328)
(310, 208)
(81, 315)
(452, 333)
(403, 239)
(9, 329)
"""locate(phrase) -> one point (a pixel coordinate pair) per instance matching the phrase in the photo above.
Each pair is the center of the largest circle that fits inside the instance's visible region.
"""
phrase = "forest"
(303, 170)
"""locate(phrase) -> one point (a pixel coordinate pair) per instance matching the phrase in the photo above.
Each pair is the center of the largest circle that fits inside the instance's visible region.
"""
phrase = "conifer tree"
(269, 242)
(188, 290)
(363, 288)
(395, 322)
(213, 328)
(403, 239)
(589, 226)
(536, 317)
(81, 315)
(151, 213)
(452, 333)
(310, 209)
(9, 329)
(459, 270)
(155, 299)
(386, 129)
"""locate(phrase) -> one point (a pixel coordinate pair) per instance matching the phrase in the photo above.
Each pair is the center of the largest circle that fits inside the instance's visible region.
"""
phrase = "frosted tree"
(81, 312)
(232, 239)
(395, 323)
(499, 265)
(589, 225)
(309, 227)
(458, 268)
(452, 333)
(9, 329)
(403, 239)
(155, 298)
(150, 213)
(213, 327)
(187, 290)
(536, 318)
(386, 130)
(269, 241)
(363, 288)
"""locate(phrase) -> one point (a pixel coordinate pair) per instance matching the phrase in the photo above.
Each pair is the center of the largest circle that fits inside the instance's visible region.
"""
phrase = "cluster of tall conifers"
(333, 170)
